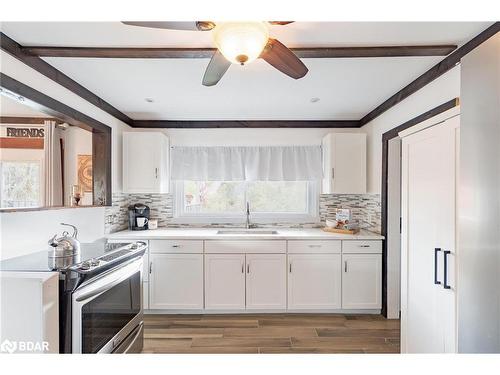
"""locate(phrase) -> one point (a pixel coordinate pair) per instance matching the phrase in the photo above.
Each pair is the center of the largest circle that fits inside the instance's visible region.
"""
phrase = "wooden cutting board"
(342, 231)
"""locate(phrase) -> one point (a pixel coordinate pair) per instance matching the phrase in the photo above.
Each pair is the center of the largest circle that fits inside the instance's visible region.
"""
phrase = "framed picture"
(85, 172)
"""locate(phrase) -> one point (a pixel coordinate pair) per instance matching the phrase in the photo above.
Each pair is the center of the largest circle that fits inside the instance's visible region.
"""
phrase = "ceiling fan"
(238, 43)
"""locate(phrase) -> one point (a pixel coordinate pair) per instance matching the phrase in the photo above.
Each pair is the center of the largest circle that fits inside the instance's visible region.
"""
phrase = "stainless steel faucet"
(247, 223)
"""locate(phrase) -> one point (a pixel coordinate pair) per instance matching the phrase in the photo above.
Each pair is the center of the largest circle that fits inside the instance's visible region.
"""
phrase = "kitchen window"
(270, 201)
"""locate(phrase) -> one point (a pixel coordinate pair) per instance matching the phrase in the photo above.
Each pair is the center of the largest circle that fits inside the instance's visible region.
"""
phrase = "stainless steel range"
(100, 296)
(101, 301)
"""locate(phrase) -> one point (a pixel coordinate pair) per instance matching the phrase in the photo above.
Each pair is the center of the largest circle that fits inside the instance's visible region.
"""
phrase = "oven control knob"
(85, 266)
(94, 262)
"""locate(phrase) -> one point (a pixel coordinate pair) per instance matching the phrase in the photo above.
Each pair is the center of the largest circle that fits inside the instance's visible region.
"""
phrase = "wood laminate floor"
(270, 333)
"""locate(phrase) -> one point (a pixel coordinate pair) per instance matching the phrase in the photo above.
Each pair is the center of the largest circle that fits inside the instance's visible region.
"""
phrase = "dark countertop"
(39, 261)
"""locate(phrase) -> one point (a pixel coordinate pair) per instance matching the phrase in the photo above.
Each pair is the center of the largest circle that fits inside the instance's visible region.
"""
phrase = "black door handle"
(445, 265)
(436, 250)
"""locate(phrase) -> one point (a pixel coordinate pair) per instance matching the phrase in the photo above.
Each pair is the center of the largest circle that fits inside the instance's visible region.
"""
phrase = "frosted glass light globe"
(241, 42)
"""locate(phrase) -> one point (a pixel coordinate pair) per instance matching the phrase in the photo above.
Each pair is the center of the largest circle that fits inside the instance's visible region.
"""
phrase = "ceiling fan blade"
(280, 23)
(283, 59)
(174, 25)
(216, 68)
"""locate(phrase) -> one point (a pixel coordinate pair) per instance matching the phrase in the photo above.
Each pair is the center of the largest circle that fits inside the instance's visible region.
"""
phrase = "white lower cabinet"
(224, 281)
(266, 281)
(176, 281)
(314, 281)
(314, 275)
(362, 281)
(145, 295)
(239, 281)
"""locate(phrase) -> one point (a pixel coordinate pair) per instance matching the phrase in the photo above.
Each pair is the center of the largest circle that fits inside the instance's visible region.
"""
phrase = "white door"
(266, 281)
(176, 281)
(429, 164)
(224, 281)
(362, 281)
(314, 281)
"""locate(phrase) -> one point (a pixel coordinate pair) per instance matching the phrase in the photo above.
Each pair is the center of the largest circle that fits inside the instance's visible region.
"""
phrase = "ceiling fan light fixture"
(241, 42)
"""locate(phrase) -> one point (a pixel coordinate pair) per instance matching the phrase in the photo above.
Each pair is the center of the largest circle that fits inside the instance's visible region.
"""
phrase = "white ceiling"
(348, 88)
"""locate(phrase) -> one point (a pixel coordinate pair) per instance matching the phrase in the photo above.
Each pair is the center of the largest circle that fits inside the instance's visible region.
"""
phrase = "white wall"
(478, 292)
(437, 92)
(24, 232)
(249, 137)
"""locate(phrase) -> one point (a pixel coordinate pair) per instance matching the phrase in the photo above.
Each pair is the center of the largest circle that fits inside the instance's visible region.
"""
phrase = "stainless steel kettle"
(64, 251)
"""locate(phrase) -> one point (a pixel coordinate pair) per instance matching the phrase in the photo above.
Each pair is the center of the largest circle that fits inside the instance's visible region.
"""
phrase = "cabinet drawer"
(176, 246)
(362, 247)
(314, 246)
(251, 247)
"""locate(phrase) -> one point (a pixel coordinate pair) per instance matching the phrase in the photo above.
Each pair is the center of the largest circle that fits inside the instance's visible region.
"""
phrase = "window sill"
(220, 220)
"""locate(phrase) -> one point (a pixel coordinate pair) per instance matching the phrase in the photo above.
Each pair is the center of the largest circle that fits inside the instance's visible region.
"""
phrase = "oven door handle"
(102, 289)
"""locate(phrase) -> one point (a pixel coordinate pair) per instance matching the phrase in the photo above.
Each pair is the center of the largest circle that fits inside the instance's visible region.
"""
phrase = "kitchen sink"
(247, 231)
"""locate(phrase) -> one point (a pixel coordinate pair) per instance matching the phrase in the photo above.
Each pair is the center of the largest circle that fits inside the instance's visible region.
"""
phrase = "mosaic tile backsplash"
(365, 208)
(116, 216)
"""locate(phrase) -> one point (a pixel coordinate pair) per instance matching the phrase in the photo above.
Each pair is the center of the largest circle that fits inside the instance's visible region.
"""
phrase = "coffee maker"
(138, 217)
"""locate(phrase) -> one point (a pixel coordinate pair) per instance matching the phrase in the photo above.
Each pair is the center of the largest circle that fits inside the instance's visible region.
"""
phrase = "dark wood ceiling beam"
(40, 102)
(16, 50)
(436, 71)
(206, 53)
(244, 124)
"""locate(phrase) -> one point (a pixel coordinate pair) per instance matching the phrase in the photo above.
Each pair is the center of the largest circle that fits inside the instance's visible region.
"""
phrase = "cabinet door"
(314, 281)
(176, 281)
(362, 281)
(344, 163)
(266, 281)
(145, 159)
(224, 281)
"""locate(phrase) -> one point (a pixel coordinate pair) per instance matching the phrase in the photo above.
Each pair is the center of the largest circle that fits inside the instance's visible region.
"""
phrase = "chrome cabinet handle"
(242, 268)
(333, 173)
(290, 267)
(364, 245)
(345, 265)
(315, 245)
(445, 273)
(176, 246)
(248, 268)
(156, 173)
(150, 267)
(436, 250)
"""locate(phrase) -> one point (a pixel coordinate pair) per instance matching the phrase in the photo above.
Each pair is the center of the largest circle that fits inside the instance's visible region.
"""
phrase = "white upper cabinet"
(145, 162)
(344, 163)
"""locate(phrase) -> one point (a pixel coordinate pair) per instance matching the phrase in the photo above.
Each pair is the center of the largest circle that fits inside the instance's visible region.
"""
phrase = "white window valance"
(271, 163)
